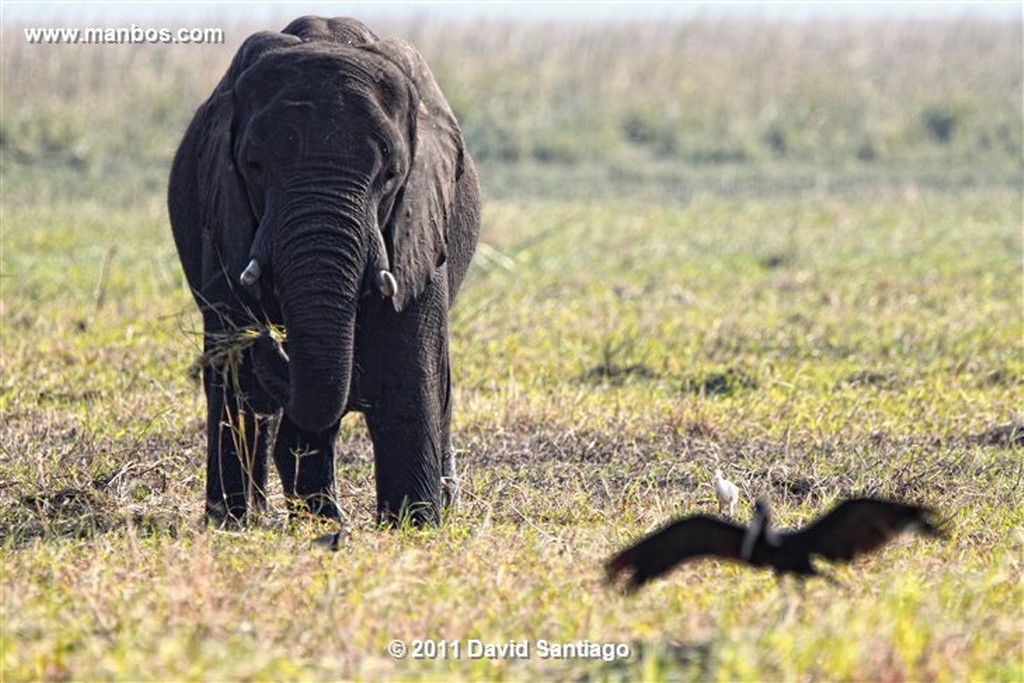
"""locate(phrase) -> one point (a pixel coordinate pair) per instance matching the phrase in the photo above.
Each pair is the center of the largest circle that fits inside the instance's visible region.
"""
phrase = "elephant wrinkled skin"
(324, 187)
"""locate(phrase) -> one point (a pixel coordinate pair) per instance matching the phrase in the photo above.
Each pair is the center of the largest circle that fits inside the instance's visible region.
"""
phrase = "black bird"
(854, 527)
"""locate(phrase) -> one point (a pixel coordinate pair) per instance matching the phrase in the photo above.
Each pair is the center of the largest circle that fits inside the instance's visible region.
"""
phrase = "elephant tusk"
(251, 273)
(386, 284)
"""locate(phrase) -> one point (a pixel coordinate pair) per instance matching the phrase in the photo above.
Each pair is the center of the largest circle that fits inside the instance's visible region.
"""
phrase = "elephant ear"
(417, 234)
(227, 213)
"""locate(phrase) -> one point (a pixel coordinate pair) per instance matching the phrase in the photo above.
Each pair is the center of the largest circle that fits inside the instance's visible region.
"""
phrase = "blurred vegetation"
(662, 109)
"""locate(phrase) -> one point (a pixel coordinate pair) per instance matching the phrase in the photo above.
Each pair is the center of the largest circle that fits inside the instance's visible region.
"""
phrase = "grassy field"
(810, 278)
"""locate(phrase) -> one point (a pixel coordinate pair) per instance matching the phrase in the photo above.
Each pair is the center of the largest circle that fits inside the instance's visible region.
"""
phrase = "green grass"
(814, 338)
(879, 341)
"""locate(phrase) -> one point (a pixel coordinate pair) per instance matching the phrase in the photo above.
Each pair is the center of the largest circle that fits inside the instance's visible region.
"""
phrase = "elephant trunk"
(319, 272)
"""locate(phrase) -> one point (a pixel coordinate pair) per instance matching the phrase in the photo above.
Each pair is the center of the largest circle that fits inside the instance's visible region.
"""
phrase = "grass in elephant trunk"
(226, 349)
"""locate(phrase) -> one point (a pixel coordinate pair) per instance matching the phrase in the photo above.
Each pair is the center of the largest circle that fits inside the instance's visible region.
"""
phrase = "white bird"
(727, 493)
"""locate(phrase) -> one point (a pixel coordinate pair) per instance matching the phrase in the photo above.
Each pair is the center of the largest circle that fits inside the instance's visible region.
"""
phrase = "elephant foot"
(416, 515)
(318, 506)
(223, 514)
(236, 510)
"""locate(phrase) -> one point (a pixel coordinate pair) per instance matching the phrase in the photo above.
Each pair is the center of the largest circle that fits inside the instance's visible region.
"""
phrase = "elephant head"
(334, 159)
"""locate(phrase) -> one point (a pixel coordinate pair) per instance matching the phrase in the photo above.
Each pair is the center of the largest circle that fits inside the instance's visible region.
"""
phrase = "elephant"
(324, 188)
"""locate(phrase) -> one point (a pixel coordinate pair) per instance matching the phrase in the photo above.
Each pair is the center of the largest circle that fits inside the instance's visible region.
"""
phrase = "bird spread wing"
(858, 526)
(661, 550)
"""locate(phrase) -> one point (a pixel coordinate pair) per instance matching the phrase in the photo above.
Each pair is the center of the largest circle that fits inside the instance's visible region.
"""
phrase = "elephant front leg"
(237, 445)
(409, 453)
(406, 379)
(305, 462)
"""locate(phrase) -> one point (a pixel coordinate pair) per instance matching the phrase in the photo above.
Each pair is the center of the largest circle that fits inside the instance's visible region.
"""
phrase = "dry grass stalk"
(225, 351)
